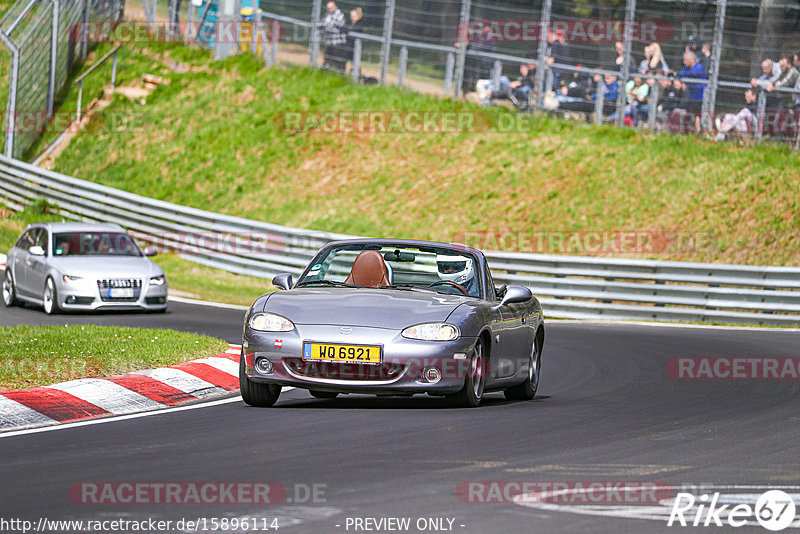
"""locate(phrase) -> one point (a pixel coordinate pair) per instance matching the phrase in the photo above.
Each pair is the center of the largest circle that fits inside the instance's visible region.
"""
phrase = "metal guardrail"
(568, 286)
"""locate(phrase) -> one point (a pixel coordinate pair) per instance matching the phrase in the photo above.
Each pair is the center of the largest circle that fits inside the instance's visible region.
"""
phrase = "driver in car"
(459, 270)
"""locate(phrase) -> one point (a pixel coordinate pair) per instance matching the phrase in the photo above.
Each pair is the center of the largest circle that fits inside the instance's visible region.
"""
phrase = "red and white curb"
(140, 391)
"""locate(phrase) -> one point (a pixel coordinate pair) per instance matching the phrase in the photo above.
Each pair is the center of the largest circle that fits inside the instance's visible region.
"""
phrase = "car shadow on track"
(369, 402)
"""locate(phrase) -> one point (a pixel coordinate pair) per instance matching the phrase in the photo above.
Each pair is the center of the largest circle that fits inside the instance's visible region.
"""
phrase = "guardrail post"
(386, 45)
(630, 14)
(313, 45)
(401, 69)
(80, 99)
(11, 104)
(355, 72)
(710, 95)
(600, 97)
(651, 113)
(761, 113)
(544, 25)
(463, 42)
(448, 73)
(114, 72)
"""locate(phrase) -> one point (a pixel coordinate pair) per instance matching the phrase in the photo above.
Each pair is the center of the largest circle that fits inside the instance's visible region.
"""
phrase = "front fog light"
(263, 365)
(432, 374)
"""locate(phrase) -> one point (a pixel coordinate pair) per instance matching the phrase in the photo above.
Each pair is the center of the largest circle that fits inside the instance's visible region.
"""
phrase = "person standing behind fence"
(334, 37)
(356, 25)
(788, 78)
(693, 69)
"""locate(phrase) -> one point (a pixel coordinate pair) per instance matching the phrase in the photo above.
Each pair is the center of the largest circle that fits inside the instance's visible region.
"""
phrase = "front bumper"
(85, 295)
(400, 371)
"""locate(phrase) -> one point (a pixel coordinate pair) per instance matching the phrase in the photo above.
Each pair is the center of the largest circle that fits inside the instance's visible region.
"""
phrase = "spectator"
(334, 37)
(705, 57)
(743, 121)
(671, 97)
(693, 69)
(610, 89)
(557, 52)
(477, 67)
(771, 71)
(645, 63)
(636, 93)
(788, 78)
(524, 85)
(356, 25)
(796, 60)
(619, 48)
(657, 61)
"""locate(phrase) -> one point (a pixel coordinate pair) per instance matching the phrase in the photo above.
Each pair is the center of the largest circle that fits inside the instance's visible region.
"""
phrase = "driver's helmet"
(456, 269)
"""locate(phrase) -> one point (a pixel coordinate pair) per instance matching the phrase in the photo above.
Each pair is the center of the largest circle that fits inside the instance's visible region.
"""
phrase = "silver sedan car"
(76, 266)
(393, 317)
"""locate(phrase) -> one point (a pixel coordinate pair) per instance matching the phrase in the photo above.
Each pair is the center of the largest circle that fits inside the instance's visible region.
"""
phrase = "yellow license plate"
(335, 352)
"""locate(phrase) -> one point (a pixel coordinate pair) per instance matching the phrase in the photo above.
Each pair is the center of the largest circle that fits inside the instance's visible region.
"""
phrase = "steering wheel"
(451, 284)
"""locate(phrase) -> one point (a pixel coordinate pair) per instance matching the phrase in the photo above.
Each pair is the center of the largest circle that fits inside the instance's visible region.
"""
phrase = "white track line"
(184, 300)
(622, 322)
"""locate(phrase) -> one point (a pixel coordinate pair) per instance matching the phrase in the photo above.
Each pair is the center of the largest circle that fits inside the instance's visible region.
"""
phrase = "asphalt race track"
(606, 411)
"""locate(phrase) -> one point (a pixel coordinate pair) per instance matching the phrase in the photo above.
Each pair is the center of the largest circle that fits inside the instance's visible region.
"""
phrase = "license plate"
(335, 352)
(120, 293)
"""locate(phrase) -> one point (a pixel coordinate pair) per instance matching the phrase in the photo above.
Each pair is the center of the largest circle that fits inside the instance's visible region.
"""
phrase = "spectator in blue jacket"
(693, 69)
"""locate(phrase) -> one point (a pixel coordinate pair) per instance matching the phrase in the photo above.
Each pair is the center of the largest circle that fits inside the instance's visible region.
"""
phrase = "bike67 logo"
(774, 510)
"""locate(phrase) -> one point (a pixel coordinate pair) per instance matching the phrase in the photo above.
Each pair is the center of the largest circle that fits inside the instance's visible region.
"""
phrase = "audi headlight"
(67, 278)
(269, 322)
(432, 332)
(158, 280)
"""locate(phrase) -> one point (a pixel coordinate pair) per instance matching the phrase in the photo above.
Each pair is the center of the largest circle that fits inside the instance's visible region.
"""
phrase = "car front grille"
(113, 285)
(344, 371)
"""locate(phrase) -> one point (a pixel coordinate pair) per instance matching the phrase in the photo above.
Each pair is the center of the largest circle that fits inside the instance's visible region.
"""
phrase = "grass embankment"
(212, 138)
(186, 278)
(42, 355)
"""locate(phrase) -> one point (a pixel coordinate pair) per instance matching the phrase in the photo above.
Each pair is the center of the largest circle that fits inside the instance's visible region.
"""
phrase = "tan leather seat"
(369, 270)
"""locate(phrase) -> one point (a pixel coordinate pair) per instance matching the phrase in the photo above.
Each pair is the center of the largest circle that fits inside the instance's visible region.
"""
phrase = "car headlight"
(269, 322)
(67, 278)
(432, 332)
(158, 280)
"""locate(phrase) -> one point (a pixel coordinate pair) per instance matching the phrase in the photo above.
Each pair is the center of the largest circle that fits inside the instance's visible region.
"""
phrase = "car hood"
(106, 266)
(379, 308)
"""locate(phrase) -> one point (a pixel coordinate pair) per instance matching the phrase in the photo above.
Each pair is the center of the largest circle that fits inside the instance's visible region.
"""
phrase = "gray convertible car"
(393, 317)
(76, 266)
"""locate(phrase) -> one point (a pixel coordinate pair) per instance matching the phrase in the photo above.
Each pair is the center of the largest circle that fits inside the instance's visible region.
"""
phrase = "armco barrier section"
(568, 286)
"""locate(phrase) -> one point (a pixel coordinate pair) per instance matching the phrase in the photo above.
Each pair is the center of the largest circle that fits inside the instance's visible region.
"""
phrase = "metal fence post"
(463, 43)
(760, 114)
(448, 73)
(85, 29)
(355, 72)
(600, 97)
(630, 15)
(114, 72)
(276, 36)
(313, 44)
(710, 95)
(254, 25)
(401, 68)
(51, 81)
(386, 45)
(497, 71)
(544, 25)
(11, 105)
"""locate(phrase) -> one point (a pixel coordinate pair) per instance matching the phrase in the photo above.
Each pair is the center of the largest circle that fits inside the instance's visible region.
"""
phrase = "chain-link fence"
(44, 42)
(672, 65)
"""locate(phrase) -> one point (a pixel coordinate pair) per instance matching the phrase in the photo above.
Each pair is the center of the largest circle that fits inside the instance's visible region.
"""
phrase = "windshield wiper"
(330, 283)
(405, 287)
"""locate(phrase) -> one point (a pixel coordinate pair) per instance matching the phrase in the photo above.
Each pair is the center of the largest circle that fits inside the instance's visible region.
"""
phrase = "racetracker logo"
(160, 31)
(382, 122)
(40, 121)
(733, 368)
(573, 31)
(563, 492)
(195, 493)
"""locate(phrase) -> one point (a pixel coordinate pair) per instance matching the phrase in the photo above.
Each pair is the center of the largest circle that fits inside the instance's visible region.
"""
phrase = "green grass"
(42, 355)
(188, 278)
(215, 139)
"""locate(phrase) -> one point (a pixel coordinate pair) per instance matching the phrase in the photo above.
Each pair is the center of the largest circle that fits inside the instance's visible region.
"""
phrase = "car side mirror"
(283, 281)
(150, 251)
(516, 294)
(36, 250)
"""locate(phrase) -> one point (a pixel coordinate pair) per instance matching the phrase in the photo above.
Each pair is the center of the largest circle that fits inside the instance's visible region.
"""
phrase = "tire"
(255, 394)
(50, 298)
(471, 394)
(527, 390)
(323, 394)
(9, 290)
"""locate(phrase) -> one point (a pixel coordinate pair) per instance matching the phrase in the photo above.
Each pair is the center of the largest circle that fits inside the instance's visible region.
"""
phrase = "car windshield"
(394, 267)
(94, 244)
